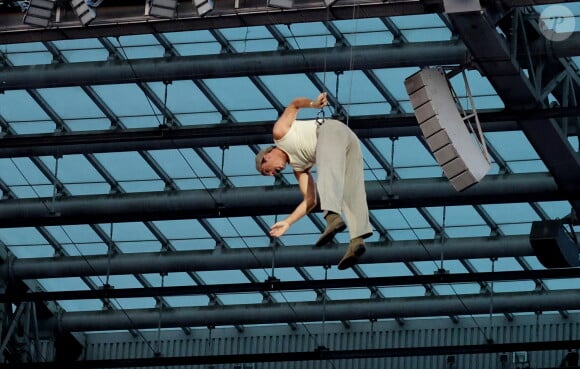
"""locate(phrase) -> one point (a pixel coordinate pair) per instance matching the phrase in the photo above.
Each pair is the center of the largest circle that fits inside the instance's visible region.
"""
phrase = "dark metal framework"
(318, 355)
(500, 58)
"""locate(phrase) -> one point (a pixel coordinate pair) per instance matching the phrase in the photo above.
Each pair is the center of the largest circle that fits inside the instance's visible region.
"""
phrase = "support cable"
(37, 352)
(351, 61)
(212, 196)
(323, 334)
(159, 302)
(83, 256)
(273, 244)
(336, 88)
(165, 117)
(427, 251)
(215, 200)
(12, 326)
(55, 187)
(209, 340)
(109, 255)
(480, 135)
(392, 169)
(320, 117)
(223, 178)
(490, 338)
(443, 240)
(119, 306)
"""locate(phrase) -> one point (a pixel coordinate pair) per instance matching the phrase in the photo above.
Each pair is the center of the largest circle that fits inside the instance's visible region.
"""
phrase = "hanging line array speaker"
(448, 138)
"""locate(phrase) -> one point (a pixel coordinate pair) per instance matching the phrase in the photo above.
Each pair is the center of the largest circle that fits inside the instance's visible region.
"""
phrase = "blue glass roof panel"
(385, 269)
(250, 39)
(29, 58)
(294, 296)
(457, 289)
(133, 104)
(187, 102)
(407, 291)
(70, 103)
(21, 171)
(32, 251)
(227, 91)
(394, 80)
(127, 166)
(11, 103)
(512, 145)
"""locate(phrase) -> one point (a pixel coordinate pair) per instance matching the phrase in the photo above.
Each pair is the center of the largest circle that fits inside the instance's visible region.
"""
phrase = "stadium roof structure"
(132, 212)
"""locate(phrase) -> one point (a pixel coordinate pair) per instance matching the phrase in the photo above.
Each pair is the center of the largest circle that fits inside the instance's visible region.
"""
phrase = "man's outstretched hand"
(278, 229)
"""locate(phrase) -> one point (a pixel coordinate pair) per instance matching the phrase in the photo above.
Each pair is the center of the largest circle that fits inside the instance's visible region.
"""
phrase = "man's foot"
(355, 250)
(335, 224)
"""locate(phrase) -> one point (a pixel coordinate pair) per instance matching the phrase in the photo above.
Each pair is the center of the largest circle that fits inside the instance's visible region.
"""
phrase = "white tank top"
(299, 143)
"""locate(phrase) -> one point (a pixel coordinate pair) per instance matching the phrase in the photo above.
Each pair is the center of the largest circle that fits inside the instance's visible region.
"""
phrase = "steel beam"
(125, 17)
(248, 201)
(160, 138)
(311, 311)
(275, 286)
(258, 258)
(315, 355)
(231, 65)
(492, 54)
(244, 64)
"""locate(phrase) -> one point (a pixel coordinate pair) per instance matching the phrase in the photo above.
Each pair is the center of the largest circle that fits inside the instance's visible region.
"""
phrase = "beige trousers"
(340, 181)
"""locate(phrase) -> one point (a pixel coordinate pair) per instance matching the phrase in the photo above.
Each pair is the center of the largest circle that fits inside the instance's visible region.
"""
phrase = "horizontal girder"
(248, 201)
(126, 17)
(231, 65)
(320, 354)
(252, 63)
(311, 311)
(274, 285)
(261, 257)
(160, 138)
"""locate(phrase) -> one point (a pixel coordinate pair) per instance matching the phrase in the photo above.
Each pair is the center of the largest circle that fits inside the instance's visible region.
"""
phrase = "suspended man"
(335, 150)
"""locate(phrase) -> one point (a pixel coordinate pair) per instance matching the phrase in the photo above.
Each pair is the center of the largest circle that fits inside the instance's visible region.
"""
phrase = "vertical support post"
(12, 326)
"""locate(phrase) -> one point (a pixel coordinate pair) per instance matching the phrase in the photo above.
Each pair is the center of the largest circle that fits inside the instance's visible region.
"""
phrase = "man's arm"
(288, 117)
(308, 189)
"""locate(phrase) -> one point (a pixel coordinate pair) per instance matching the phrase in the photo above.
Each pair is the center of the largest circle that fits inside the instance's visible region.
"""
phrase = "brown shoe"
(355, 250)
(335, 224)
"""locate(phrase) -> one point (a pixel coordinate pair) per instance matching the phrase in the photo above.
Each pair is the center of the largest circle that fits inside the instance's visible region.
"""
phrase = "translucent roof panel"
(250, 39)
(194, 42)
(138, 46)
(83, 50)
(250, 101)
(27, 54)
(426, 27)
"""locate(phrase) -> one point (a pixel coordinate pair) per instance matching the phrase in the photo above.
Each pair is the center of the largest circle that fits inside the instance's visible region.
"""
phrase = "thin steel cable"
(320, 117)
(323, 335)
(443, 238)
(109, 254)
(83, 256)
(160, 316)
(55, 187)
(493, 260)
(165, 117)
(273, 243)
(135, 75)
(351, 61)
(433, 259)
(206, 189)
(326, 48)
